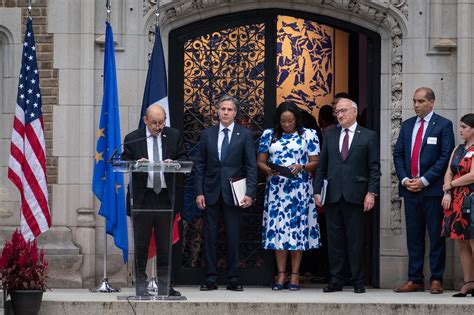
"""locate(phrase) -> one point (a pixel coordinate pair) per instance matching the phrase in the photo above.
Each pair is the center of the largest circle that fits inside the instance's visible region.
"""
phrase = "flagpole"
(105, 286)
(153, 284)
(29, 8)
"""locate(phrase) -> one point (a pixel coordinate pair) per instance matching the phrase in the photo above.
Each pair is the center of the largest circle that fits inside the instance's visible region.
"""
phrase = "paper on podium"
(238, 186)
(324, 190)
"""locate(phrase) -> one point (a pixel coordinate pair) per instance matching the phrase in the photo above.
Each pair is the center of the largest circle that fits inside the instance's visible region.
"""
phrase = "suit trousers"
(421, 213)
(345, 228)
(231, 215)
(143, 225)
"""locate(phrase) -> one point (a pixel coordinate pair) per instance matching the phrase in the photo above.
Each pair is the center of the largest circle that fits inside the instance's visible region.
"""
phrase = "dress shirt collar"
(352, 128)
(231, 127)
(427, 117)
(148, 133)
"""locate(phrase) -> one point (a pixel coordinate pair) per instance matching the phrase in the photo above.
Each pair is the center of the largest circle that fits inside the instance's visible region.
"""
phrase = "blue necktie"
(225, 143)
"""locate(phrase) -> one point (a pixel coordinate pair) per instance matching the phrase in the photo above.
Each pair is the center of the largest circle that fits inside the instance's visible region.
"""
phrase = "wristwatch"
(372, 193)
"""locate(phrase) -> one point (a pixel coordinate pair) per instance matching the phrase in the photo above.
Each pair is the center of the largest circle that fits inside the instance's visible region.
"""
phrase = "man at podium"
(152, 190)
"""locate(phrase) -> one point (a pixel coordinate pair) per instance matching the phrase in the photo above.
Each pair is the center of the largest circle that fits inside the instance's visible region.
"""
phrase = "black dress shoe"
(332, 287)
(359, 289)
(208, 286)
(235, 286)
(173, 292)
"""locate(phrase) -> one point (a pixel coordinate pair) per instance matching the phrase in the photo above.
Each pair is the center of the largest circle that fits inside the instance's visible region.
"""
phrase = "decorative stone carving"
(148, 5)
(401, 5)
(379, 12)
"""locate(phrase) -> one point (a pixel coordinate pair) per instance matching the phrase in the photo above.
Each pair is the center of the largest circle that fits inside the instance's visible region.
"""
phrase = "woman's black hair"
(468, 119)
(286, 107)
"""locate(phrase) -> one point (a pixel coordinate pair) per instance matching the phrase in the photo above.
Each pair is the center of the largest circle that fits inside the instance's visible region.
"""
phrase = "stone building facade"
(423, 43)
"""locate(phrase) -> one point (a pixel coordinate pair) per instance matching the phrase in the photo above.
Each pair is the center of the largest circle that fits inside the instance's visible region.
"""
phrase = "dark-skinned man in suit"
(155, 142)
(350, 161)
(421, 156)
(225, 151)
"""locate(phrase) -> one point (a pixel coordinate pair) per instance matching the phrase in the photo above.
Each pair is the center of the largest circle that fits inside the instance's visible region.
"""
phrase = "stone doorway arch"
(387, 18)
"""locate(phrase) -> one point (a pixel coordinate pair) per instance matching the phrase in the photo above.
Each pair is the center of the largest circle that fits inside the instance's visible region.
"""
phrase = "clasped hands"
(295, 169)
(414, 184)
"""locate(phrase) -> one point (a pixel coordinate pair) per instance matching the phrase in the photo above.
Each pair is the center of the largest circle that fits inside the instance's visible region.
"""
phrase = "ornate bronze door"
(246, 55)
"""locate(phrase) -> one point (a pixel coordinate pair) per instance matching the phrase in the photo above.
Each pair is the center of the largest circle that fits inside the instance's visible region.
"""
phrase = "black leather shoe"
(359, 289)
(235, 286)
(332, 287)
(173, 292)
(208, 286)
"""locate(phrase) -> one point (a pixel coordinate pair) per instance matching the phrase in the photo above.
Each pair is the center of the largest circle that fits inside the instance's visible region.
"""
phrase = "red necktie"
(415, 155)
(345, 145)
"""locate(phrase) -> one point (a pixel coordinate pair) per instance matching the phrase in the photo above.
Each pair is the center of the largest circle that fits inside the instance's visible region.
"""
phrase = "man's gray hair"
(225, 98)
(353, 104)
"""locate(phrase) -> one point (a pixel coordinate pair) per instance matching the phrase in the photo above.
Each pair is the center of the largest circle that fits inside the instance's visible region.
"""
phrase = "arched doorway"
(241, 54)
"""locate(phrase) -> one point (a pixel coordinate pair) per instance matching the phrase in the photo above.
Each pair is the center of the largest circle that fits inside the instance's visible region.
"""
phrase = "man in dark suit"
(421, 156)
(225, 151)
(155, 142)
(350, 162)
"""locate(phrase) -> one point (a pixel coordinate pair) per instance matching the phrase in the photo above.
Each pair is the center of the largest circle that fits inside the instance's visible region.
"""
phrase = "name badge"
(432, 140)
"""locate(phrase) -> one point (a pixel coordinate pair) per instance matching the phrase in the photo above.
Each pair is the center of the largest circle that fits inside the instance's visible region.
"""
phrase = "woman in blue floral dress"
(290, 222)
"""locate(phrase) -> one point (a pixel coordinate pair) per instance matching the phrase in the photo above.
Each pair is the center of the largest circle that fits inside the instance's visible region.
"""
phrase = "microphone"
(124, 143)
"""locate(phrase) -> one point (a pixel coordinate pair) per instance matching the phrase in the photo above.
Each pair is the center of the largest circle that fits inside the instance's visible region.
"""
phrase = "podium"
(141, 216)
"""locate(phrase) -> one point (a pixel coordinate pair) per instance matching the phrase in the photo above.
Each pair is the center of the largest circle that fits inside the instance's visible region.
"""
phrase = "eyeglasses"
(341, 111)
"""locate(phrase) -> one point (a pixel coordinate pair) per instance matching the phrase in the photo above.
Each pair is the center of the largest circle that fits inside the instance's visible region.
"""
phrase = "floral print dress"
(290, 220)
(455, 223)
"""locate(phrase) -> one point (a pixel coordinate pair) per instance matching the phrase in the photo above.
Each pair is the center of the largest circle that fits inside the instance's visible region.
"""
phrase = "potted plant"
(23, 274)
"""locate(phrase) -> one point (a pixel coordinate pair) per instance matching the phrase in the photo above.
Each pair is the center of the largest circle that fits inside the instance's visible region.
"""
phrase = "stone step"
(258, 301)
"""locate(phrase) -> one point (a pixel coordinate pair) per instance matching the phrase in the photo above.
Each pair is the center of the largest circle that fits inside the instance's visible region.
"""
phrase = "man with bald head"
(350, 161)
(155, 142)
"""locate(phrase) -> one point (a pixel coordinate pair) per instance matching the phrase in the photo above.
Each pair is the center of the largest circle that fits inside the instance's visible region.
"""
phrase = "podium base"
(104, 287)
(151, 298)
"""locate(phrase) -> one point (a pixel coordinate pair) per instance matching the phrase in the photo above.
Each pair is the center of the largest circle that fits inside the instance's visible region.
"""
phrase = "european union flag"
(107, 185)
(156, 87)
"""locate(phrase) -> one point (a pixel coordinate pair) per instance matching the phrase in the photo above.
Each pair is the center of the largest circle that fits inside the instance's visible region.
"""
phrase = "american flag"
(27, 163)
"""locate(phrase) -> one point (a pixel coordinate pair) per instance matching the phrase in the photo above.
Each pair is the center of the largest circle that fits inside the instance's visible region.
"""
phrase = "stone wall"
(59, 248)
(423, 43)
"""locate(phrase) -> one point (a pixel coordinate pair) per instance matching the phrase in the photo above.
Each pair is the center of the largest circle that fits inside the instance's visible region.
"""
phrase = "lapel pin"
(238, 134)
(164, 136)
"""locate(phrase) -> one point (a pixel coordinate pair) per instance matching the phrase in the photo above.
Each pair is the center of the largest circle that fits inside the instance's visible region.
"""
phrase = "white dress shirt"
(351, 135)
(149, 147)
(221, 135)
(413, 138)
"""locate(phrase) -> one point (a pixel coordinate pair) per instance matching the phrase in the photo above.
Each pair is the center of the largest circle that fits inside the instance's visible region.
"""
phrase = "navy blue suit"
(423, 209)
(212, 181)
